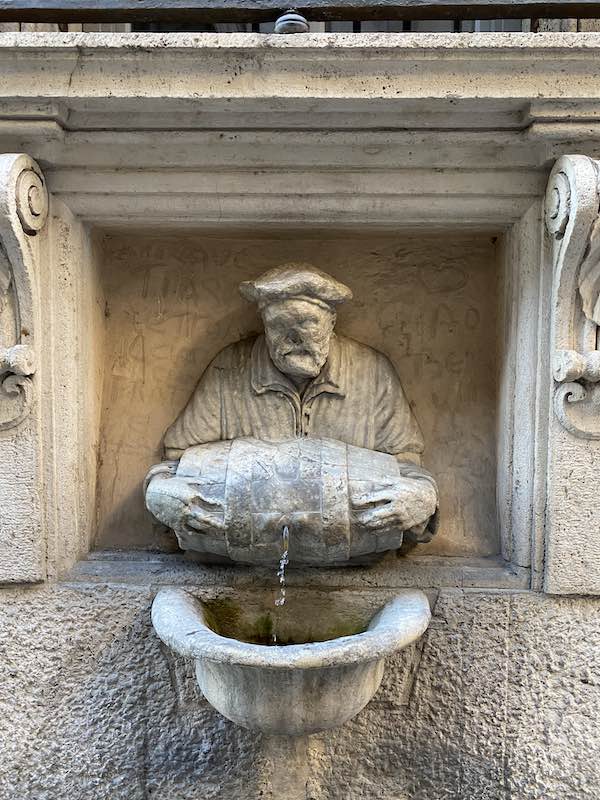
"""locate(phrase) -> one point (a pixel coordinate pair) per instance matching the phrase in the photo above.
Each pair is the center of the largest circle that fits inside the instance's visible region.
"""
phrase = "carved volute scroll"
(23, 213)
(573, 223)
(569, 466)
(23, 245)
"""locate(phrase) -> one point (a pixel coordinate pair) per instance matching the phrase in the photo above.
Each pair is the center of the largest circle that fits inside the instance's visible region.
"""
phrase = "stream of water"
(283, 562)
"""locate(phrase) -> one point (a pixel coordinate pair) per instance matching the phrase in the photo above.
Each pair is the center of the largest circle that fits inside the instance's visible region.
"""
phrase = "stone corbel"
(23, 213)
(23, 246)
(572, 214)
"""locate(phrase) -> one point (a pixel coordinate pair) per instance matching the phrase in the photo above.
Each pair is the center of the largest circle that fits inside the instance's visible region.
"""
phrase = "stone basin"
(311, 679)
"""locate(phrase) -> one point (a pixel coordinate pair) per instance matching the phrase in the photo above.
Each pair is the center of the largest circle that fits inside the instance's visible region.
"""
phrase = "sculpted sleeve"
(396, 429)
(398, 433)
(200, 420)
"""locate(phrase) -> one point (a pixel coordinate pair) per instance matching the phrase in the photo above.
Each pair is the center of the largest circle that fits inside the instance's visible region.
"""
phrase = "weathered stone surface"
(477, 723)
(502, 704)
(50, 340)
(102, 709)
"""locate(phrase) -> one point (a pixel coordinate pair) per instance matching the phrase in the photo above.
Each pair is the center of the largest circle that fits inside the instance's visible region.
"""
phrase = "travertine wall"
(501, 704)
(428, 301)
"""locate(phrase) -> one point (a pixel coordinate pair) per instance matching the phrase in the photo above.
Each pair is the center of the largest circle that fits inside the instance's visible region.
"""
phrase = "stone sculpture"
(298, 427)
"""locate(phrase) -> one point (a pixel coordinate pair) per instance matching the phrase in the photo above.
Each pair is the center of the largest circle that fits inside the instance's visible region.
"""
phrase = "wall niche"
(430, 301)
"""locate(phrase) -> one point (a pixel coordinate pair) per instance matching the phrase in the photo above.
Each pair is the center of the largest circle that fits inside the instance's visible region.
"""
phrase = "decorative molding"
(558, 205)
(568, 365)
(23, 247)
(578, 409)
(16, 369)
(24, 209)
(573, 224)
(31, 197)
(472, 78)
(570, 463)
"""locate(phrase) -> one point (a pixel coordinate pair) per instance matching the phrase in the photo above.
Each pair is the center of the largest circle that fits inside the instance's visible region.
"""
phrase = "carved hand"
(201, 514)
(178, 501)
(403, 504)
(166, 469)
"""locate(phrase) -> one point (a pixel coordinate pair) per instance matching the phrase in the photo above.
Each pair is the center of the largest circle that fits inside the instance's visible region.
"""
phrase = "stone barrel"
(253, 488)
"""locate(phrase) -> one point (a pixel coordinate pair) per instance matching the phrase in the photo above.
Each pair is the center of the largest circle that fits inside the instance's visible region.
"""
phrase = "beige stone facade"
(413, 166)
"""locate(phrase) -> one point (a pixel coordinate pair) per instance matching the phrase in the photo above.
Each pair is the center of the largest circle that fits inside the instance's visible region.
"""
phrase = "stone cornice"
(55, 83)
(396, 67)
(124, 123)
(424, 45)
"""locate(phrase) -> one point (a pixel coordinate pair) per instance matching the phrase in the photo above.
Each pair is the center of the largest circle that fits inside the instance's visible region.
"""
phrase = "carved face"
(298, 333)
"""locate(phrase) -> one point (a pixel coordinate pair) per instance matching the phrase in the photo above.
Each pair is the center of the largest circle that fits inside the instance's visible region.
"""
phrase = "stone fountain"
(142, 178)
(293, 689)
(297, 446)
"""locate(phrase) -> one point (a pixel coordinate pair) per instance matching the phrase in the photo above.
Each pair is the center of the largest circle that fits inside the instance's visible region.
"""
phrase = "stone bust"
(283, 401)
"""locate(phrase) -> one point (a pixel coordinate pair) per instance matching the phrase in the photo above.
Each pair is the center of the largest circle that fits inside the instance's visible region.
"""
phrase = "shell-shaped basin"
(293, 689)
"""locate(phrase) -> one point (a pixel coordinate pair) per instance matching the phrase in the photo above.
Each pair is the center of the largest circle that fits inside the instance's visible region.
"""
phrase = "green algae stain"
(225, 617)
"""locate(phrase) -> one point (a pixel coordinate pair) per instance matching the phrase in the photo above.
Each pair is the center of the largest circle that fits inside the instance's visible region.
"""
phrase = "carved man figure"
(301, 379)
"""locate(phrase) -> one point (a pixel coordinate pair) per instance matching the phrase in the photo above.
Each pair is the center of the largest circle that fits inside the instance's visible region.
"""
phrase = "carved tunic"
(357, 398)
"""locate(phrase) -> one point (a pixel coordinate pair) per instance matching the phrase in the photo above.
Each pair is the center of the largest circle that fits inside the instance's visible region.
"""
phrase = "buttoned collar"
(266, 377)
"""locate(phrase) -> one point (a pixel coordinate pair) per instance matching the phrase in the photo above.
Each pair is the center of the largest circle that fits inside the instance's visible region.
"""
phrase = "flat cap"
(295, 280)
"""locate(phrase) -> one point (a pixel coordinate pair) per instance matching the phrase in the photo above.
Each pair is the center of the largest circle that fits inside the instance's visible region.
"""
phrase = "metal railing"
(256, 11)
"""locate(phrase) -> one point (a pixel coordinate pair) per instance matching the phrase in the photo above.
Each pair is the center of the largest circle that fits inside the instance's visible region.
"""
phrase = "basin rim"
(178, 620)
